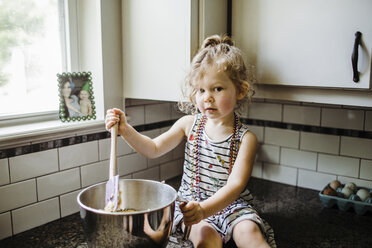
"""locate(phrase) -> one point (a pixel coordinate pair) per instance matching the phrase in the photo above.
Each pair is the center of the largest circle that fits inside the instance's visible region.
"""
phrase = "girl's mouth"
(210, 109)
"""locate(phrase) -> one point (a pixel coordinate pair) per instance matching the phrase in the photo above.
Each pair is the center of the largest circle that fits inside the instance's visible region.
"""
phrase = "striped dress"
(213, 172)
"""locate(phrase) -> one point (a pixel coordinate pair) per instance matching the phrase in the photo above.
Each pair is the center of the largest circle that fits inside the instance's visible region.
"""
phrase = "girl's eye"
(218, 89)
(201, 90)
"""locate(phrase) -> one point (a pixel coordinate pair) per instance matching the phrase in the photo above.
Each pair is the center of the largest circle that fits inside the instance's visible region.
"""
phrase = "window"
(93, 32)
(32, 52)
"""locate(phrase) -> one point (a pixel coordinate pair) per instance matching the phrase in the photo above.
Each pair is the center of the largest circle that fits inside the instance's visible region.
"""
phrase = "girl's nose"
(208, 97)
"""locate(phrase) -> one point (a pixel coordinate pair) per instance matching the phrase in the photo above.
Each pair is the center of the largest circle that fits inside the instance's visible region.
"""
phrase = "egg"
(346, 192)
(335, 184)
(363, 194)
(329, 191)
(352, 186)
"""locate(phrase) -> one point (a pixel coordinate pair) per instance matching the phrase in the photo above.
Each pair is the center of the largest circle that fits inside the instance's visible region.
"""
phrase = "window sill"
(32, 133)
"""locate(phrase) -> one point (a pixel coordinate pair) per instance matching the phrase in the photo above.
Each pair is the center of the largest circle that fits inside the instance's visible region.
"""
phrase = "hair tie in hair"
(211, 42)
(215, 40)
(227, 40)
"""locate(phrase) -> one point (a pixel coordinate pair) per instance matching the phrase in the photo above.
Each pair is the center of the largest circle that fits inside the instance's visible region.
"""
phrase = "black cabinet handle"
(354, 56)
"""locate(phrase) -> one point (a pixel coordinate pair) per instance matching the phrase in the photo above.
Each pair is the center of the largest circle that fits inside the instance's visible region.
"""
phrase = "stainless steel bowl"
(149, 226)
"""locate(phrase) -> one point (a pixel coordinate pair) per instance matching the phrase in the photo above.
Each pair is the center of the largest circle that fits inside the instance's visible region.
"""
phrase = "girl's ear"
(243, 90)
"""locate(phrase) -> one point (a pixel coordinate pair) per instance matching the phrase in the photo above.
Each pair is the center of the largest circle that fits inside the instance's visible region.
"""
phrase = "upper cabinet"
(159, 39)
(307, 42)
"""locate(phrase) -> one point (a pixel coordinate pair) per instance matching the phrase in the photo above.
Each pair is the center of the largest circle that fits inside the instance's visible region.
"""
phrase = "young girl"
(219, 152)
(85, 103)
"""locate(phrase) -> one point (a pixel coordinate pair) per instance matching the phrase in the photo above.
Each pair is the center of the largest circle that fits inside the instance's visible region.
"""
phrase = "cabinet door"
(158, 36)
(305, 42)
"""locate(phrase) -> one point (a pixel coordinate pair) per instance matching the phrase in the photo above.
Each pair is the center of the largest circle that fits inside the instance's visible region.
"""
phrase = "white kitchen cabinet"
(159, 39)
(305, 42)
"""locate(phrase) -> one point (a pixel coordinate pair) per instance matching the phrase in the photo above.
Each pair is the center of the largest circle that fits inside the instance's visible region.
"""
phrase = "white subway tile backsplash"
(149, 174)
(301, 115)
(179, 151)
(366, 169)
(257, 170)
(69, 203)
(35, 215)
(95, 173)
(368, 121)
(160, 160)
(4, 171)
(297, 158)
(280, 137)
(171, 169)
(356, 147)
(136, 115)
(258, 131)
(313, 180)
(32, 165)
(244, 110)
(265, 111)
(58, 183)
(279, 173)
(5, 225)
(319, 142)
(342, 118)
(268, 153)
(358, 182)
(17, 195)
(131, 163)
(338, 165)
(164, 129)
(175, 112)
(157, 112)
(122, 148)
(152, 133)
(76, 155)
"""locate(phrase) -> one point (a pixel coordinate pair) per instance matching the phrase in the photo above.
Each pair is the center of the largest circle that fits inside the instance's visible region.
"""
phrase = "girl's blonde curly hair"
(219, 52)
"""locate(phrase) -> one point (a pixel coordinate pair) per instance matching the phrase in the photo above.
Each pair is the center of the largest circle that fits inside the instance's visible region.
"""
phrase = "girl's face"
(66, 89)
(216, 94)
(84, 95)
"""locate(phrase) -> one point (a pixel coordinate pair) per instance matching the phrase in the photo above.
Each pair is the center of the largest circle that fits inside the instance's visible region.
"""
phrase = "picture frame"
(76, 98)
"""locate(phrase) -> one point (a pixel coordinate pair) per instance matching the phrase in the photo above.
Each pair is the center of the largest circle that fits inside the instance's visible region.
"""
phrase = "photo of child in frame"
(76, 97)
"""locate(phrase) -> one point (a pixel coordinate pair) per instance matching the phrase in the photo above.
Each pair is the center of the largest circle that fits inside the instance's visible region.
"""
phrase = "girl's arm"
(150, 148)
(196, 211)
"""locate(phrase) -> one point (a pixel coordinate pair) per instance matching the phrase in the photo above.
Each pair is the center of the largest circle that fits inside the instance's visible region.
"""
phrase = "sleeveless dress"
(202, 181)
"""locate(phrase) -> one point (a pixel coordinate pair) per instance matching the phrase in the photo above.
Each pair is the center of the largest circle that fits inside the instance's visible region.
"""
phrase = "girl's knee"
(247, 227)
(248, 234)
(204, 235)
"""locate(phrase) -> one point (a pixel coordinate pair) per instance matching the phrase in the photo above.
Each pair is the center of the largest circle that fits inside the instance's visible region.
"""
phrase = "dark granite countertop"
(296, 215)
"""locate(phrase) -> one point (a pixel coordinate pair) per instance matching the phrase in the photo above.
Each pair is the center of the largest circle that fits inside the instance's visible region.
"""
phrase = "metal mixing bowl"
(149, 226)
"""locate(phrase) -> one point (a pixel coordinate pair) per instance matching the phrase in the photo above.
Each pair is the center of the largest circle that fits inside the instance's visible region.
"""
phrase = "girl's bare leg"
(247, 234)
(204, 235)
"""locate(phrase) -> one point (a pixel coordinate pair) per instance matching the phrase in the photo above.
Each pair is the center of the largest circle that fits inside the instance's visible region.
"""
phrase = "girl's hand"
(114, 116)
(192, 212)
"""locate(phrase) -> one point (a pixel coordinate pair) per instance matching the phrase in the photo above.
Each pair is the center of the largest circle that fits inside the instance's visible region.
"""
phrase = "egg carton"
(344, 204)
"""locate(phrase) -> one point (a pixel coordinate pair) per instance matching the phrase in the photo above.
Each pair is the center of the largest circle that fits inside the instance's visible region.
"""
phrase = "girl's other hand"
(192, 212)
(114, 116)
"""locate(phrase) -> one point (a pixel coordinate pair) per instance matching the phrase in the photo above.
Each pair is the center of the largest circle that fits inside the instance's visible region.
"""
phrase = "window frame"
(70, 60)
(94, 44)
